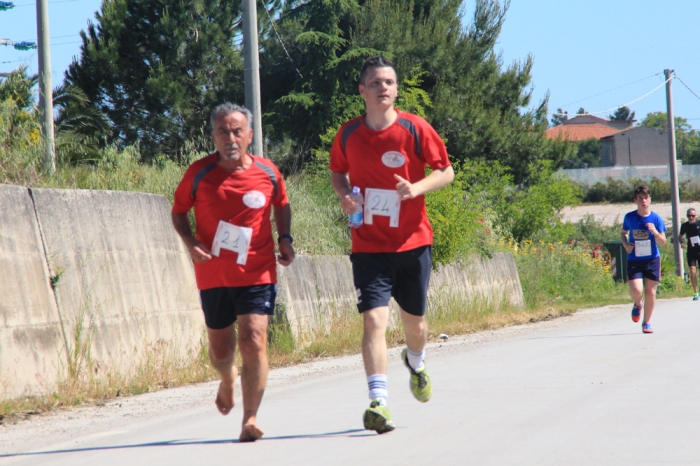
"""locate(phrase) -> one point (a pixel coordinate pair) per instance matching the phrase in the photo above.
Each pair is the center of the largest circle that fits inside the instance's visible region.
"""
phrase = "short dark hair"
(641, 189)
(689, 211)
(375, 62)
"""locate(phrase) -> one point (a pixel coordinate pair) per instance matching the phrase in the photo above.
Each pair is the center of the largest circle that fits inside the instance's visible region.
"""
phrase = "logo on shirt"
(393, 159)
(640, 234)
(254, 199)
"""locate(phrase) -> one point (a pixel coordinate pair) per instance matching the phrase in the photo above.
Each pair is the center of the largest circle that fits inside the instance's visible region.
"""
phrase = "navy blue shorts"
(646, 268)
(223, 305)
(404, 275)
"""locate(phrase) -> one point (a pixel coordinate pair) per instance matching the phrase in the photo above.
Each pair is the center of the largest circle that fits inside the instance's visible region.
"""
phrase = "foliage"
(559, 117)
(620, 191)
(156, 68)
(687, 139)
(588, 154)
(622, 114)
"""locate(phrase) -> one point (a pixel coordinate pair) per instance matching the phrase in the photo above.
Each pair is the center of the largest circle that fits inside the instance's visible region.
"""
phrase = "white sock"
(378, 388)
(415, 359)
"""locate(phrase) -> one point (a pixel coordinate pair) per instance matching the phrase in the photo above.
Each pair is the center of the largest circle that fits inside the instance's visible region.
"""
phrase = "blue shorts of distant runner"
(404, 275)
(646, 268)
(223, 305)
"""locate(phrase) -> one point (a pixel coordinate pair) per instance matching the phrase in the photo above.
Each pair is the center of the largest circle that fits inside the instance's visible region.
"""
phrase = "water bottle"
(355, 219)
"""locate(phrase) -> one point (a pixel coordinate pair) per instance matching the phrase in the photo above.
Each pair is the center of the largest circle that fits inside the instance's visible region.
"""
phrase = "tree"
(588, 154)
(157, 67)
(622, 114)
(559, 117)
(581, 111)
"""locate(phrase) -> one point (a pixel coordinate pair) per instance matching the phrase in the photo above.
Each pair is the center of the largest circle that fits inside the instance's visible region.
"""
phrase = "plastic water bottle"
(355, 219)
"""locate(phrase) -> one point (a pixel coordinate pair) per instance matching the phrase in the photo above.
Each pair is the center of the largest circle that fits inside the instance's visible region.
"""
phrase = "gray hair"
(228, 108)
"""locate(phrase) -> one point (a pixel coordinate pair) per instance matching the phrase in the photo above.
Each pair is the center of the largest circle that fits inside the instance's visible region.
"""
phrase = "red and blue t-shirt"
(371, 158)
(244, 199)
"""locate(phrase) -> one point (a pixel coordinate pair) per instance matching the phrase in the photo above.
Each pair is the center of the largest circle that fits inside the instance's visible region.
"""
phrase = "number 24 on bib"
(383, 202)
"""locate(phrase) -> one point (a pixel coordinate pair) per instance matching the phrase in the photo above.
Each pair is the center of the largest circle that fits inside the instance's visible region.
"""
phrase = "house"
(583, 127)
(638, 146)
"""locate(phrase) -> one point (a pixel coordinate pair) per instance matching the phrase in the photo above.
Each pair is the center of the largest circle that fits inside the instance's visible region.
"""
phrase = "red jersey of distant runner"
(371, 158)
(243, 199)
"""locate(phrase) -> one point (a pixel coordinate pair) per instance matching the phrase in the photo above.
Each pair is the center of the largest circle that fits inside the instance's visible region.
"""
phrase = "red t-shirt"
(371, 158)
(243, 199)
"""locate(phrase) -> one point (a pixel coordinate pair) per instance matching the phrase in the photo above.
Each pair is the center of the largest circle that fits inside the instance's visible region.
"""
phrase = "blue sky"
(580, 48)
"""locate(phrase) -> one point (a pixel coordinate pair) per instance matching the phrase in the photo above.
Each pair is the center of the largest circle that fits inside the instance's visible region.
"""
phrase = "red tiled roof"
(580, 132)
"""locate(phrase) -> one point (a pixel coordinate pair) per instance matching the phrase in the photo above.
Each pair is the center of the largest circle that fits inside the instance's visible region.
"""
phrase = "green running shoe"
(377, 417)
(421, 386)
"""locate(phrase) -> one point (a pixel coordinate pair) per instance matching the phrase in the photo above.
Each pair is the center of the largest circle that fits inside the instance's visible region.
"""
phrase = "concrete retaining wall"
(123, 285)
(99, 281)
(314, 288)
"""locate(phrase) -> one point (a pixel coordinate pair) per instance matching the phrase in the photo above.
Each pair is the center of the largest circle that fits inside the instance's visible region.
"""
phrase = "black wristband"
(289, 237)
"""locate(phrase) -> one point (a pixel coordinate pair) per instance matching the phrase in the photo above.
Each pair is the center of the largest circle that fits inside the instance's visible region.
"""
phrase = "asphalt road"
(588, 389)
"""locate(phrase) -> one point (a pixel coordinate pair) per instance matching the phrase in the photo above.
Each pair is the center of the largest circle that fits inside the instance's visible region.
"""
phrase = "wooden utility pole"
(45, 90)
(251, 74)
(673, 170)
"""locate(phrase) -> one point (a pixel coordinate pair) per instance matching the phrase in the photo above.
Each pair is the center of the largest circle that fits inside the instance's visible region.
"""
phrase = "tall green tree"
(622, 114)
(687, 139)
(559, 117)
(157, 67)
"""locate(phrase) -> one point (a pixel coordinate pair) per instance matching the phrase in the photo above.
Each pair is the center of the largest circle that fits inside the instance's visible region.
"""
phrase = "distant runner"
(385, 153)
(232, 193)
(642, 233)
(691, 229)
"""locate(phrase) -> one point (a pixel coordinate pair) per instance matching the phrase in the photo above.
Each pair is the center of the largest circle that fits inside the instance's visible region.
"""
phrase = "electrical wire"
(282, 42)
(610, 90)
(614, 108)
(687, 87)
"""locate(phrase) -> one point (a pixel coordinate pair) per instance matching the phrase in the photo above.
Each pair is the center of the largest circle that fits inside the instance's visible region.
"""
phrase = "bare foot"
(250, 433)
(224, 399)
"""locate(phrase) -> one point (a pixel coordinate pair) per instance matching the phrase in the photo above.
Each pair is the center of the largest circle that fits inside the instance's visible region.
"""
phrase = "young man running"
(691, 230)
(385, 153)
(642, 233)
(232, 193)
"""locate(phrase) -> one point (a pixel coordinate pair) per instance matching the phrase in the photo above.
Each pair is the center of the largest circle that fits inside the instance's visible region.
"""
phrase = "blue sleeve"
(660, 225)
(625, 223)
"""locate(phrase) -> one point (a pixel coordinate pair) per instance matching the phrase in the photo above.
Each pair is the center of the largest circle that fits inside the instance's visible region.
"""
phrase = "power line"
(610, 90)
(687, 87)
(614, 108)
(281, 41)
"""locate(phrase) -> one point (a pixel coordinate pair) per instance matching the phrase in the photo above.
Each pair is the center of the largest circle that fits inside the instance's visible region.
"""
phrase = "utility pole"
(251, 74)
(45, 90)
(673, 170)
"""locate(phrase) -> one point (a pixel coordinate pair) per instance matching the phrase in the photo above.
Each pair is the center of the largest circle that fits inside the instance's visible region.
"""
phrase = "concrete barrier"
(125, 284)
(313, 288)
(30, 328)
(99, 281)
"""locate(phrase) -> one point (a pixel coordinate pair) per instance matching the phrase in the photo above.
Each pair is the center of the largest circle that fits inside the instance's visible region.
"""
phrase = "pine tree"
(622, 114)
(157, 67)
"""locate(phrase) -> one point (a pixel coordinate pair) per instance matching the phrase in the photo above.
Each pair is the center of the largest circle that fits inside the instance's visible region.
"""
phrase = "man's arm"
(198, 252)
(626, 244)
(660, 237)
(283, 222)
(437, 179)
(341, 185)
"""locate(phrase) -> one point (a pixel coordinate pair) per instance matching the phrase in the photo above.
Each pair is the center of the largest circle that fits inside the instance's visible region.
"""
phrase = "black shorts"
(693, 258)
(223, 305)
(646, 268)
(404, 275)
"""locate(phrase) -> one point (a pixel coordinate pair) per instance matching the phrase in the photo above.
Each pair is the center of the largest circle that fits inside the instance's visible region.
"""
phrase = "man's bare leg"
(636, 290)
(222, 349)
(374, 352)
(649, 298)
(252, 342)
(694, 278)
(416, 330)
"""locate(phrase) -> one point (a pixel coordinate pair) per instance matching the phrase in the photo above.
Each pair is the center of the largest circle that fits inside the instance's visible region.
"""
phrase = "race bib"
(233, 238)
(382, 202)
(694, 240)
(642, 248)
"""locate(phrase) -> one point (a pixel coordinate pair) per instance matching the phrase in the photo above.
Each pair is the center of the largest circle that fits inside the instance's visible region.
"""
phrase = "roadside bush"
(620, 191)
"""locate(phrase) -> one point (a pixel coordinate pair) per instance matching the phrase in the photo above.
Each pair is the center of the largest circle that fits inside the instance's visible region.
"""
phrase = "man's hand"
(682, 242)
(652, 229)
(198, 252)
(347, 204)
(286, 255)
(406, 189)
(629, 247)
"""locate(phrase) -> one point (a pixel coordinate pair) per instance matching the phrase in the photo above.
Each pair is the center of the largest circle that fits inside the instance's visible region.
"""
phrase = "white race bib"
(233, 238)
(694, 240)
(384, 202)
(642, 248)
